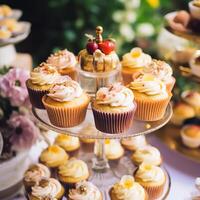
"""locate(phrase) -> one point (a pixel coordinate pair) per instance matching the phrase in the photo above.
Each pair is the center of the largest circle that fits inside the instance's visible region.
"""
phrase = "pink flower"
(13, 86)
(24, 132)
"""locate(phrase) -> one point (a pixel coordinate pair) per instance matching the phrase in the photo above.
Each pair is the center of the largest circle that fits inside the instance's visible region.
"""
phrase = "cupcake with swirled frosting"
(147, 154)
(152, 178)
(65, 62)
(150, 95)
(34, 175)
(42, 78)
(66, 104)
(113, 109)
(127, 189)
(133, 62)
(47, 189)
(73, 172)
(85, 191)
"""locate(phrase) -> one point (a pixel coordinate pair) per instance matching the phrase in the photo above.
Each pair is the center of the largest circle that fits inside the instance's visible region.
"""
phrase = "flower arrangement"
(19, 132)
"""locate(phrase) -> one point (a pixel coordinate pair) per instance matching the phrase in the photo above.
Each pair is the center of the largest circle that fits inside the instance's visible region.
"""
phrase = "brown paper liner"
(66, 116)
(113, 122)
(87, 147)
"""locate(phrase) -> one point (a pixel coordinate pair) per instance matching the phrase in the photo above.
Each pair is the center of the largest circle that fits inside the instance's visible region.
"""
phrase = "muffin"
(127, 189)
(162, 71)
(69, 143)
(72, 172)
(5, 11)
(66, 104)
(152, 178)
(47, 189)
(148, 154)
(113, 109)
(53, 156)
(34, 175)
(65, 62)
(41, 80)
(181, 112)
(134, 143)
(151, 97)
(194, 7)
(85, 190)
(133, 62)
(4, 33)
(190, 135)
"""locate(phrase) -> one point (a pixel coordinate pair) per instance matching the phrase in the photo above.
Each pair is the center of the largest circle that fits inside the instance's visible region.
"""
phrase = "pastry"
(73, 171)
(42, 78)
(195, 63)
(181, 112)
(65, 62)
(151, 97)
(194, 7)
(68, 143)
(152, 178)
(53, 156)
(113, 109)
(85, 191)
(162, 71)
(66, 104)
(4, 33)
(134, 143)
(190, 135)
(127, 189)
(99, 55)
(47, 189)
(147, 154)
(133, 62)
(5, 11)
(34, 175)
(12, 25)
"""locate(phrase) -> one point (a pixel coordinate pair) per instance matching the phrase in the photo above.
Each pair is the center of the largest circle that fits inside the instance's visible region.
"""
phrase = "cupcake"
(133, 62)
(127, 189)
(152, 178)
(34, 175)
(194, 7)
(147, 154)
(53, 156)
(47, 189)
(162, 71)
(113, 109)
(134, 143)
(195, 63)
(85, 191)
(181, 112)
(151, 97)
(65, 62)
(68, 143)
(73, 172)
(41, 80)
(190, 135)
(66, 104)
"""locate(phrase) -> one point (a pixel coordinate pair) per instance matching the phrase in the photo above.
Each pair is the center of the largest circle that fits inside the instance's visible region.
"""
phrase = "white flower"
(118, 16)
(145, 30)
(129, 4)
(127, 32)
(130, 16)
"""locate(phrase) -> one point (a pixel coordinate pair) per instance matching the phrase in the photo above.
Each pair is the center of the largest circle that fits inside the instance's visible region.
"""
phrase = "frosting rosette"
(62, 59)
(85, 191)
(67, 91)
(116, 95)
(136, 58)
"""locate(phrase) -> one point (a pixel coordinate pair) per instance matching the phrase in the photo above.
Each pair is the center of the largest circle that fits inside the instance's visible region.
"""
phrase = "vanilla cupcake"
(47, 189)
(133, 62)
(53, 156)
(134, 143)
(190, 135)
(66, 104)
(181, 112)
(85, 191)
(65, 62)
(73, 172)
(34, 174)
(151, 97)
(162, 71)
(127, 189)
(152, 178)
(147, 154)
(68, 143)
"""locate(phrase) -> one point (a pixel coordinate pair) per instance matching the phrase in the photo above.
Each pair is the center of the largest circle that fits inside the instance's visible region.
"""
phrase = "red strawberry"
(107, 46)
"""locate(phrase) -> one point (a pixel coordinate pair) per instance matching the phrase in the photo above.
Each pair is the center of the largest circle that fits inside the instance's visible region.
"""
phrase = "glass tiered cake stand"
(105, 173)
